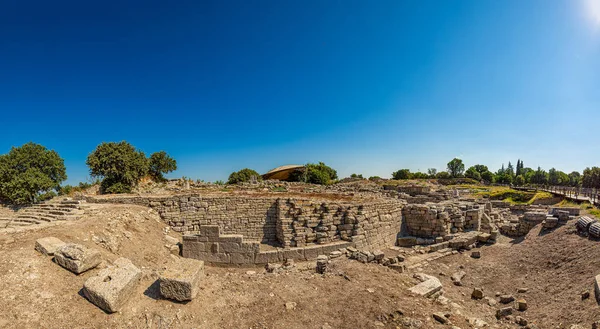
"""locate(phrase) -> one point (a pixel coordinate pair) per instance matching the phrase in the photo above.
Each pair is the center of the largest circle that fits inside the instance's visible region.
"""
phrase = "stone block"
(181, 282)
(112, 286)
(312, 252)
(271, 256)
(428, 287)
(241, 258)
(77, 258)
(48, 245)
(407, 241)
(597, 288)
(211, 231)
(293, 253)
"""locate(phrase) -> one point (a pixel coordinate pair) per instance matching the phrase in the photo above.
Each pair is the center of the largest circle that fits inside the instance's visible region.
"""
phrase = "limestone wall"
(254, 218)
(305, 226)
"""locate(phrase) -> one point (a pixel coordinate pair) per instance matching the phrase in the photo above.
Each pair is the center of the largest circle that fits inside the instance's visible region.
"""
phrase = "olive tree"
(30, 173)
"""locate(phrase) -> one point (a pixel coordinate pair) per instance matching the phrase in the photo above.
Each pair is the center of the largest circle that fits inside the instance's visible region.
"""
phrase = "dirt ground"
(36, 293)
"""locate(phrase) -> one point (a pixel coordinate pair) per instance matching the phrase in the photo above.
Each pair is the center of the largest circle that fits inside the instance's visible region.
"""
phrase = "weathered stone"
(503, 312)
(439, 317)
(397, 267)
(428, 287)
(457, 277)
(378, 255)
(476, 254)
(521, 305)
(77, 258)
(520, 321)
(48, 245)
(505, 299)
(597, 288)
(477, 293)
(181, 282)
(112, 286)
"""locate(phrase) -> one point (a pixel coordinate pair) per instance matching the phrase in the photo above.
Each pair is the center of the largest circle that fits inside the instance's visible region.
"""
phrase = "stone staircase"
(47, 212)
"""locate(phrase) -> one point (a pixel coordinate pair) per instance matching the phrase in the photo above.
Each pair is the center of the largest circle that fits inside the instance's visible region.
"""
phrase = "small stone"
(476, 254)
(503, 312)
(378, 255)
(335, 254)
(520, 321)
(522, 290)
(491, 301)
(440, 317)
(290, 306)
(505, 299)
(477, 293)
(585, 295)
(522, 305)
(457, 277)
(250, 272)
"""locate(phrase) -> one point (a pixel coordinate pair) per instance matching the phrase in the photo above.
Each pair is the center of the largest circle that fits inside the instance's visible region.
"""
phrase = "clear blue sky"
(365, 86)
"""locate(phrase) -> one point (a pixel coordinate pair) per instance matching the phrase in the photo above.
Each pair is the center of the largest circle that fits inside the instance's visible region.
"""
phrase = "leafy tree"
(488, 176)
(519, 180)
(539, 177)
(591, 177)
(401, 174)
(244, 175)
(481, 168)
(456, 168)
(161, 163)
(443, 175)
(30, 173)
(432, 172)
(473, 173)
(575, 179)
(419, 175)
(356, 176)
(519, 168)
(374, 178)
(119, 165)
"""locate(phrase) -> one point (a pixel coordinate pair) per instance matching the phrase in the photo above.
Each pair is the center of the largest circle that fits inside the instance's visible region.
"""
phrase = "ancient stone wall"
(254, 218)
(303, 225)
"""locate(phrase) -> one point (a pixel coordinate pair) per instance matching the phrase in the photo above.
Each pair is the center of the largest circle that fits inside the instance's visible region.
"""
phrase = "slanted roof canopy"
(283, 172)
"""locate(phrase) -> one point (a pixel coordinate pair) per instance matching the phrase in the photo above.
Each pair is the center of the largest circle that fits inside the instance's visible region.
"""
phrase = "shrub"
(244, 175)
(443, 175)
(374, 178)
(161, 163)
(117, 164)
(29, 172)
(315, 174)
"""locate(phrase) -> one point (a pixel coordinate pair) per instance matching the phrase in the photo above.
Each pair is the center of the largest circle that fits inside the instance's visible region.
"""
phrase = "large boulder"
(112, 286)
(48, 245)
(181, 282)
(77, 258)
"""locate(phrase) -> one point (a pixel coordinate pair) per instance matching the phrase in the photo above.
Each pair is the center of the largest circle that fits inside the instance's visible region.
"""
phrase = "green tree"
(360, 176)
(244, 175)
(161, 163)
(473, 173)
(539, 177)
(481, 168)
(591, 177)
(401, 174)
(443, 175)
(119, 165)
(510, 170)
(488, 177)
(30, 173)
(519, 180)
(456, 168)
(374, 178)
(419, 175)
(575, 179)
(432, 172)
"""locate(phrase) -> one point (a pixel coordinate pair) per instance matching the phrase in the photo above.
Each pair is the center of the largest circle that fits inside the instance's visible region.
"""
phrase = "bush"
(315, 174)
(374, 178)
(443, 175)
(244, 175)
(161, 163)
(118, 164)
(29, 172)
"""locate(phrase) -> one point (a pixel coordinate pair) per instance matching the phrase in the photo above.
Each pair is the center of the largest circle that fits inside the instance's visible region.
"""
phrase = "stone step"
(24, 222)
(39, 218)
(37, 213)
